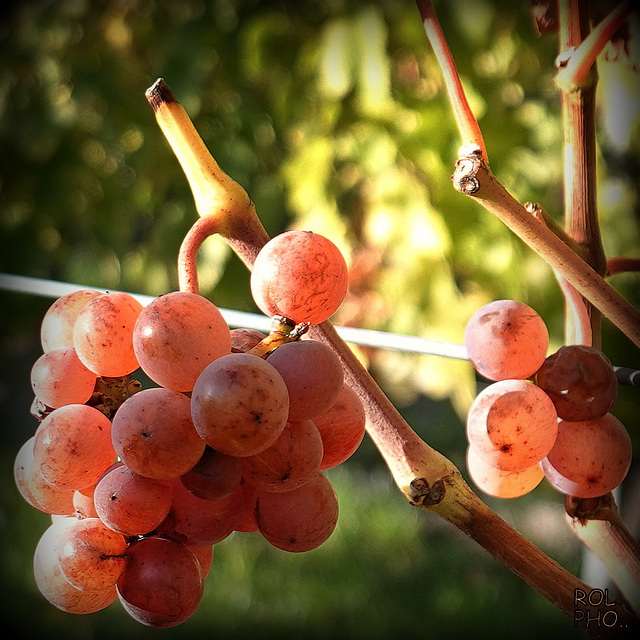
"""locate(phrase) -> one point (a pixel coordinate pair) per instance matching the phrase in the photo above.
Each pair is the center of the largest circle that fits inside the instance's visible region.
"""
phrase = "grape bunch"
(540, 416)
(141, 483)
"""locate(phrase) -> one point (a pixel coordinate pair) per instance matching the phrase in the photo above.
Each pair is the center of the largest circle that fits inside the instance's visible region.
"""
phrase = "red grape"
(512, 424)
(58, 378)
(581, 382)
(590, 458)
(313, 375)
(154, 435)
(341, 427)
(499, 483)
(161, 585)
(73, 446)
(243, 340)
(301, 519)
(58, 322)
(289, 462)
(129, 503)
(103, 334)
(506, 339)
(240, 404)
(176, 336)
(300, 275)
(214, 476)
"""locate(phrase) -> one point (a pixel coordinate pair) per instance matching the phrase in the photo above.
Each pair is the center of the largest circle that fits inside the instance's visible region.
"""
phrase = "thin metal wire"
(244, 319)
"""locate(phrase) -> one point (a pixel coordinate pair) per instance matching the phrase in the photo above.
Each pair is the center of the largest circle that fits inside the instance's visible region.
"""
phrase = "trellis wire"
(234, 318)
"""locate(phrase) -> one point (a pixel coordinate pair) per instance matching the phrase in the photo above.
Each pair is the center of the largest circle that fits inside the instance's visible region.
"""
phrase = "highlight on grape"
(234, 436)
(540, 416)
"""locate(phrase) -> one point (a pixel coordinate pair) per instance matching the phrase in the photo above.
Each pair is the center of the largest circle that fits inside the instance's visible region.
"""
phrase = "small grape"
(91, 555)
(131, 504)
(512, 424)
(300, 275)
(581, 382)
(57, 325)
(161, 585)
(154, 435)
(58, 378)
(313, 375)
(289, 462)
(73, 446)
(341, 427)
(301, 519)
(589, 458)
(103, 334)
(214, 476)
(506, 339)
(176, 336)
(499, 483)
(243, 340)
(240, 404)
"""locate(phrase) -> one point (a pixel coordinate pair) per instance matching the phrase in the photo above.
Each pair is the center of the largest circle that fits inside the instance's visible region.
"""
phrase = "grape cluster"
(540, 416)
(142, 483)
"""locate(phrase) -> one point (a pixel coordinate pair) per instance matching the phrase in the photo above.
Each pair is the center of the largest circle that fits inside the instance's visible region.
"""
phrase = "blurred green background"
(333, 116)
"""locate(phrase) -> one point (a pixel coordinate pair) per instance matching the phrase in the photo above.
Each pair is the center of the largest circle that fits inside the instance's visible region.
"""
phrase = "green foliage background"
(333, 116)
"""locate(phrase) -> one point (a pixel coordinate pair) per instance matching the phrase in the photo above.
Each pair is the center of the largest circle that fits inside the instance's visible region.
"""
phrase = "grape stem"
(426, 477)
(597, 522)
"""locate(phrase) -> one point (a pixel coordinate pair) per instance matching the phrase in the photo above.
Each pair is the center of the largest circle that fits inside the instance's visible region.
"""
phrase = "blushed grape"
(214, 476)
(300, 275)
(176, 336)
(506, 339)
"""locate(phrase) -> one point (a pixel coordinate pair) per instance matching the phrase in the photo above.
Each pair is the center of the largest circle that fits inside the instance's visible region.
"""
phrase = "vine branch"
(426, 477)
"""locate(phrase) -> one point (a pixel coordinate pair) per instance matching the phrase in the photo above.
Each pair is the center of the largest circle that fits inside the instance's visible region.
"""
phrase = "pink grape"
(512, 424)
(176, 336)
(300, 519)
(58, 378)
(91, 555)
(590, 458)
(39, 493)
(131, 504)
(313, 375)
(289, 462)
(214, 476)
(506, 339)
(103, 334)
(199, 522)
(240, 404)
(52, 583)
(154, 435)
(499, 483)
(57, 325)
(73, 446)
(242, 340)
(342, 428)
(161, 585)
(300, 275)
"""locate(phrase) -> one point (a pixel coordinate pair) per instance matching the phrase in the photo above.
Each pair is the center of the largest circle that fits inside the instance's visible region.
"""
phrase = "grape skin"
(91, 555)
(131, 504)
(52, 583)
(176, 336)
(506, 339)
(590, 458)
(512, 424)
(300, 275)
(214, 476)
(289, 462)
